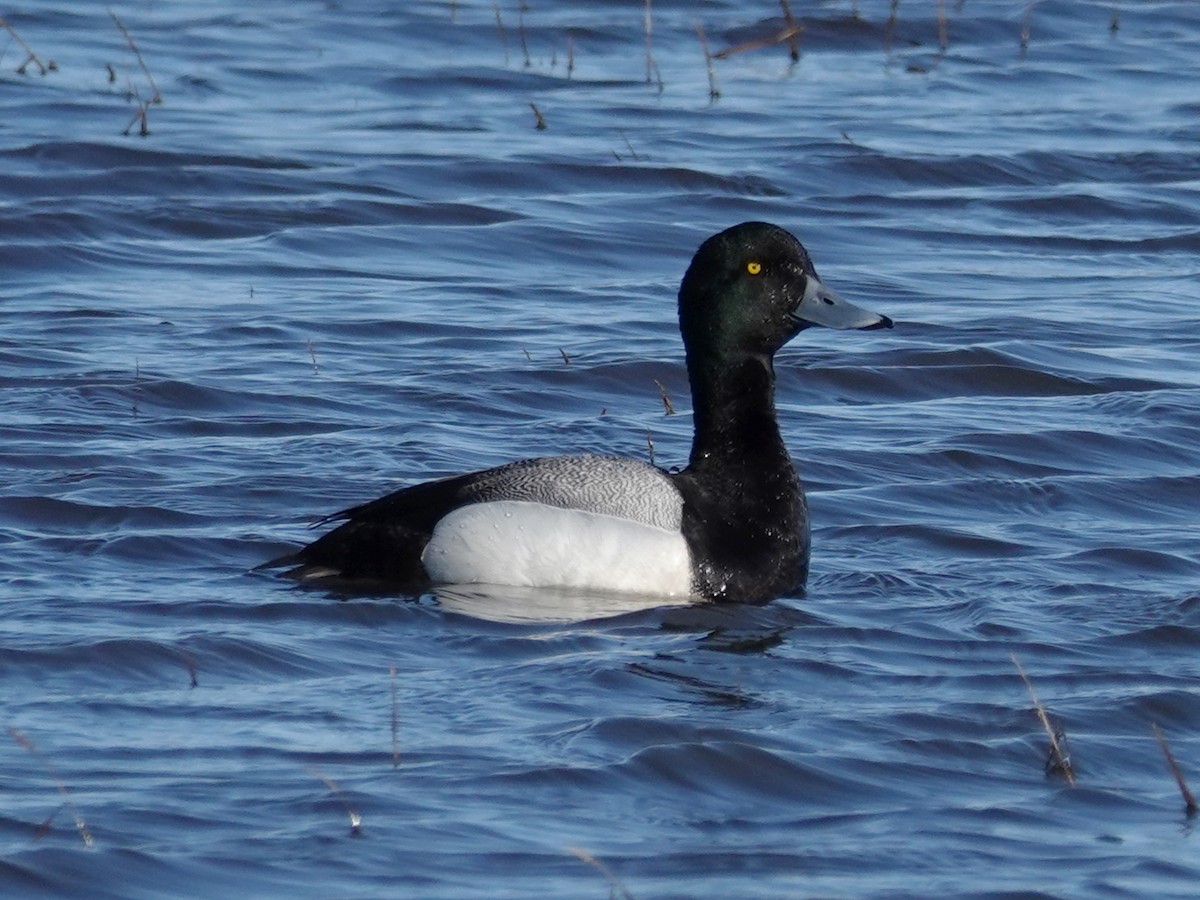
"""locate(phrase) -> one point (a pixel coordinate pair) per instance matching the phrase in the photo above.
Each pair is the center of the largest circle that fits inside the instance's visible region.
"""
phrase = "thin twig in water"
(1189, 800)
(713, 92)
(137, 385)
(566, 359)
(943, 30)
(30, 56)
(615, 886)
(648, 27)
(80, 825)
(890, 30)
(395, 721)
(539, 122)
(503, 33)
(789, 33)
(157, 98)
(633, 153)
(793, 44)
(313, 356)
(1062, 762)
(670, 410)
(139, 116)
(188, 661)
(570, 55)
(650, 445)
(1026, 24)
(521, 33)
(355, 818)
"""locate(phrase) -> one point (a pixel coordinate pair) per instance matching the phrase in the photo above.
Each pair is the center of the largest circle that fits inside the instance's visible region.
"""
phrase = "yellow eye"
(754, 267)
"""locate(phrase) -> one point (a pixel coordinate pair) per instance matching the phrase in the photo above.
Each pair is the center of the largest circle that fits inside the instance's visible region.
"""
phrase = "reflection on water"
(523, 605)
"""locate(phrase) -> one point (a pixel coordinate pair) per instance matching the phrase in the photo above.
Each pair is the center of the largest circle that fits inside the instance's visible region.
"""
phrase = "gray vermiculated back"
(607, 485)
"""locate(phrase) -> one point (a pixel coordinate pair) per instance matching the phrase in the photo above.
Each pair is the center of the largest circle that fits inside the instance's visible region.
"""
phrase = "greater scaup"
(733, 525)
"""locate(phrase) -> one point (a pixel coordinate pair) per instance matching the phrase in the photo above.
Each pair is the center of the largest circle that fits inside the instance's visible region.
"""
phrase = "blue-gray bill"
(822, 305)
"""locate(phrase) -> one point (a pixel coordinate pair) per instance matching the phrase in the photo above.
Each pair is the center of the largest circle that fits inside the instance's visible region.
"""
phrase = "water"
(344, 259)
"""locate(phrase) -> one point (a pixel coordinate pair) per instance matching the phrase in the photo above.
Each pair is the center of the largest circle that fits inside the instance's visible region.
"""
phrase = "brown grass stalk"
(503, 32)
(667, 406)
(713, 92)
(1189, 799)
(890, 30)
(1062, 762)
(789, 34)
(30, 56)
(157, 98)
(615, 885)
(793, 43)
(1026, 26)
(340, 795)
(80, 825)
(521, 34)
(395, 720)
(648, 28)
(539, 124)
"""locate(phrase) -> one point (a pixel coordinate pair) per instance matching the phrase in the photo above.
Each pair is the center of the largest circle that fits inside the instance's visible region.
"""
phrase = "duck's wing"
(608, 485)
(383, 540)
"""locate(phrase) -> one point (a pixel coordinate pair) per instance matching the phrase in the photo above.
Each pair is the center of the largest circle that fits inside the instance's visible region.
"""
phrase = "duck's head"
(752, 288)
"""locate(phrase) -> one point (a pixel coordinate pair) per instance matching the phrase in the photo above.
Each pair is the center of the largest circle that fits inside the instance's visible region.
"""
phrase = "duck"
(732, 525)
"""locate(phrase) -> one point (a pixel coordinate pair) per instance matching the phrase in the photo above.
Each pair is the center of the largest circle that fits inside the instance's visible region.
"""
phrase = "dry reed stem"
(670, 410)
(1189, 800)
(395, 721)
(793, 44)
(137, 384)
(566, 359)
(503, 33)
(890, 30)
(1062, 761)
(650, 445)
(190, 662)
(648, 27)
(789, 34)
(633, 153)
(312, 354)
(713, 92)
(521, 33)
(339, 794)
(615, 885)
(80, 825)
(30, 56)
(139, 116)
(851, 141)
(540, 123)
(157, 98)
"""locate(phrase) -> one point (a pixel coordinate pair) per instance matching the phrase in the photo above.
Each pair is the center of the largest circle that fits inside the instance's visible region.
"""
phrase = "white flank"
(520, 543)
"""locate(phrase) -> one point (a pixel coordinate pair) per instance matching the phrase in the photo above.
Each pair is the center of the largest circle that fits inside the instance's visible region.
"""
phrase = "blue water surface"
(345, 258)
